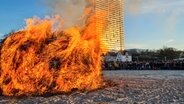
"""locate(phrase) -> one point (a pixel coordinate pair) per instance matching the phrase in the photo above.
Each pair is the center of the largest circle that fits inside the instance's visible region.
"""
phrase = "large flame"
(42, 58)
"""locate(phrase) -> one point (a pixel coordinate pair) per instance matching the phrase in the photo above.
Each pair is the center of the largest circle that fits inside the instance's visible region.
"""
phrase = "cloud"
(162, 6)
(169, 41)
(153, 6)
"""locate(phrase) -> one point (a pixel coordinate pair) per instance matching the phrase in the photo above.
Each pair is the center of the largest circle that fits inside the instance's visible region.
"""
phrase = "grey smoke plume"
(133, 6)
(70, 10)
(137, 6)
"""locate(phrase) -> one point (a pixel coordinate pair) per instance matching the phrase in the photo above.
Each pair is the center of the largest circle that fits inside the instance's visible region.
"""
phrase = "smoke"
(133, 6)
(70, 10)
(140, 6)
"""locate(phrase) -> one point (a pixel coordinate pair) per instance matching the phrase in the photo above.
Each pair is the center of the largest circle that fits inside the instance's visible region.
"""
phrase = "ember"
(43, 58)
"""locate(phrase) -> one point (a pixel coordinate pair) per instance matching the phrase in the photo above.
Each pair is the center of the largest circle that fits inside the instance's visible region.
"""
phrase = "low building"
(118, 57)
(180, 59)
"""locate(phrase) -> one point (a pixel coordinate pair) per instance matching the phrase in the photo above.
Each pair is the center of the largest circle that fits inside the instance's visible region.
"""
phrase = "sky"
(148, 24)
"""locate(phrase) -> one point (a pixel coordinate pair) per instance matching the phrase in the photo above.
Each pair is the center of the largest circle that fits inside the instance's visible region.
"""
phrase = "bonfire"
(44, 58)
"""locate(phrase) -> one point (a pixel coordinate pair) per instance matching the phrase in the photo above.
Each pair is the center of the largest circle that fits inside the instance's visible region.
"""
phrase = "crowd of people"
(169, 65)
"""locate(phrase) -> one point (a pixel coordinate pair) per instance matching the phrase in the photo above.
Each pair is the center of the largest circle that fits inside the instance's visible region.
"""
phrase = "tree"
(168, 53)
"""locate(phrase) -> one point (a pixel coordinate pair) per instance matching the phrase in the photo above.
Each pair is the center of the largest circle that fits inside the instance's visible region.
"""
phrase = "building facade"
(113, 34)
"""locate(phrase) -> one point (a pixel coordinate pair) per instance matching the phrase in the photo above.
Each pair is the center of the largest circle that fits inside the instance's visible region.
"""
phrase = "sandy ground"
(130, 87)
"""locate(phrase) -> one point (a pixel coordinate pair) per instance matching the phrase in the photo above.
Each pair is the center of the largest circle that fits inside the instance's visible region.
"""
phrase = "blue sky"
(148, 24)
(14, 12)
(154, 23)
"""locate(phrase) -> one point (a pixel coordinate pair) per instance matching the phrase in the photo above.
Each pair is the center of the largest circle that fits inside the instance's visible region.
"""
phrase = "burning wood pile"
(42, 58)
